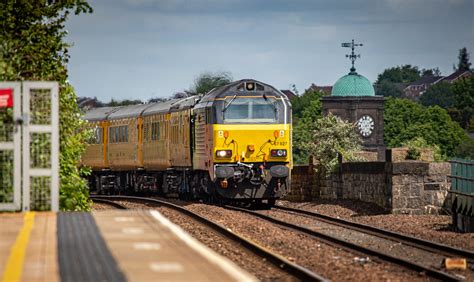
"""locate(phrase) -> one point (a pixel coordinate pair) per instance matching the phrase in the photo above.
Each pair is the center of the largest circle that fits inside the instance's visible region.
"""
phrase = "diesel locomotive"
(233, 143)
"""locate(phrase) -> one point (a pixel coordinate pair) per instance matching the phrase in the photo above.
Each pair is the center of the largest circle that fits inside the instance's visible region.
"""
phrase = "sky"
(142, 49)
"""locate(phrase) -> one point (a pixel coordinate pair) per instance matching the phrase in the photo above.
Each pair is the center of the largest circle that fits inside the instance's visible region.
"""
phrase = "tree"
(463, 64)
(389, 89)
(463, 90)
(465, 150)
(126, 102)
(32, 47)
(400, 74)
(406, 120)
(207, 81)
(308, 111)
(431, 72)
(300, 103)
(391, 82)
(328, 137)
(439, 94)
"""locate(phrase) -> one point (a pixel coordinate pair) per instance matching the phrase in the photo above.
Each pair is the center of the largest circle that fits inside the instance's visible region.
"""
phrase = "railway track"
(278, 261)
(333, 240)
(383, 233)
(110, 203)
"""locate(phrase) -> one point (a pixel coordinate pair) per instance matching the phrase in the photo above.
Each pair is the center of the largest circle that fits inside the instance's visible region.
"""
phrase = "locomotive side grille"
(200, 136)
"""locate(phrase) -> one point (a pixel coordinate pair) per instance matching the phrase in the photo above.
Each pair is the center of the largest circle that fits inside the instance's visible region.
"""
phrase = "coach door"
(29, 146)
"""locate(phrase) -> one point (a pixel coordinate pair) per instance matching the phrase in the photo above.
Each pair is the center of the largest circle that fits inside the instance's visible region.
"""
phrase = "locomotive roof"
(97, 114)
(232, 87)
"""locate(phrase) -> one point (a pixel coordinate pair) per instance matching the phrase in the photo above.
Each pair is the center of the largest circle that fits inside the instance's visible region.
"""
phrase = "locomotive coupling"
(279, 171)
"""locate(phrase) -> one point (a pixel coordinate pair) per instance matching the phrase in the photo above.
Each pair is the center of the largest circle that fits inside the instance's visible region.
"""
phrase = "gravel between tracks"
(328, 261)
(101, 206)
(429, 227)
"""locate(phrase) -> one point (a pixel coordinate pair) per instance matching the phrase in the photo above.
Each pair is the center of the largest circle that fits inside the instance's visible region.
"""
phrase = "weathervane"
(352, 56)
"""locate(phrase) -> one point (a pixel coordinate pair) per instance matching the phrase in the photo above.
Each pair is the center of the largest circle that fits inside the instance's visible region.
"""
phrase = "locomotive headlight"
(224, 153)
(250, 86)
(278, 153)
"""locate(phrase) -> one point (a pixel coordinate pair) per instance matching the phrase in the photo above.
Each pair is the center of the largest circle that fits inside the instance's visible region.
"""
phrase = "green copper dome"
(353, 84)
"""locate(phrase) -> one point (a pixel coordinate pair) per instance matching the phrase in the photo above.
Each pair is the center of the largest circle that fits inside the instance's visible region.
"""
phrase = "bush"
(417, 144)
(330, 136)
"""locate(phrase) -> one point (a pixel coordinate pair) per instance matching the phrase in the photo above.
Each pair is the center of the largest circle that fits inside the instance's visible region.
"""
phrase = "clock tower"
(353, 99)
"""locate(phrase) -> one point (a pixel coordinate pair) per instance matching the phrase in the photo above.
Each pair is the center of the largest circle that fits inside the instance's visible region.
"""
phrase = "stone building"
(353, 99)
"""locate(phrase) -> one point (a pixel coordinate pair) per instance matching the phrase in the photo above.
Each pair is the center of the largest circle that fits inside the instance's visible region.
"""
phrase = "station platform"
(109, 245)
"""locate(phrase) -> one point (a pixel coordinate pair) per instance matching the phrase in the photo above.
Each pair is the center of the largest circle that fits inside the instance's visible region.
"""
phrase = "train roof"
(172, 105)
(98, 114)
(160, 107)
(129, 111)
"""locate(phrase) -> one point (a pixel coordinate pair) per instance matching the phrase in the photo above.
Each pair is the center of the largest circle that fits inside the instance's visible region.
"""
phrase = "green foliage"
(417, 144)
(463, 57)
(431, 72)
(32, 47)
(300, 103)
(74, 195)
(405, 120)
(328, 137)
(463, 90)
(308, 111)
(403, 74)
(389, 89)
(391, 82)
(126, 102)
(465, 150)
(207, 81)
(439, 94)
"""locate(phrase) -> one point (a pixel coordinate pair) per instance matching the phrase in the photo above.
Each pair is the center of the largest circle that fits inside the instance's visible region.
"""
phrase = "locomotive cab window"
(250, 110)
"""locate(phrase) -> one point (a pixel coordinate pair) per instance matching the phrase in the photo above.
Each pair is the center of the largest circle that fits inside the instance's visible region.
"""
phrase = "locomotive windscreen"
(250, 110)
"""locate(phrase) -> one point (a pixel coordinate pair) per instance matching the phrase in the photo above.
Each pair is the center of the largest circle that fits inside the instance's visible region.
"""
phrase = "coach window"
(119, 134)
(145, 131)
(111, 135)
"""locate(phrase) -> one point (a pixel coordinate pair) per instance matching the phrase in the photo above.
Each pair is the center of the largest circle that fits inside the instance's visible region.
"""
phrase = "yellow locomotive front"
(243, 139)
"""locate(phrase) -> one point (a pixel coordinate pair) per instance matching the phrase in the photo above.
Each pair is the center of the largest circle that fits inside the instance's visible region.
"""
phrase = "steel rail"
(352, 247)
(108, 202)
(430, 246)
(280, 262)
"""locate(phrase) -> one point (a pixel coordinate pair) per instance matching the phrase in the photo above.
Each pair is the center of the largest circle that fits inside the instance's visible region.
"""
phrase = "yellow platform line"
(14, 266)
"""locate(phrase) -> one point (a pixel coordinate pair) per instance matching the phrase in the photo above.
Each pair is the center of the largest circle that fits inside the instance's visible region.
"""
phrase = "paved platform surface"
(111, 245)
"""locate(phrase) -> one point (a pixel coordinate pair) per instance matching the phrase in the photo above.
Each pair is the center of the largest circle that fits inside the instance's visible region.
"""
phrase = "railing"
(462, 176)
(462, 194)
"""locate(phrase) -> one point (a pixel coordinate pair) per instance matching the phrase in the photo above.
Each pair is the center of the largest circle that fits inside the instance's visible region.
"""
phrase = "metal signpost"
(29, 146)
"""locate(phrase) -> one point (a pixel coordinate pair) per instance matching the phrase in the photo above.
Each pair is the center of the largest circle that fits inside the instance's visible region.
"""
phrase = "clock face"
(365, 125)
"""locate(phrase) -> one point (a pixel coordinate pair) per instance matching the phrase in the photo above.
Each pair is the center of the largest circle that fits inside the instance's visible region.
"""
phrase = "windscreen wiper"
(231, 100)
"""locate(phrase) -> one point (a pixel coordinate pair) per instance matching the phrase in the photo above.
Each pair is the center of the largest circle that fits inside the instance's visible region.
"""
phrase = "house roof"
(325, 89)
(288, 94)
(457, 74)
(427, 79)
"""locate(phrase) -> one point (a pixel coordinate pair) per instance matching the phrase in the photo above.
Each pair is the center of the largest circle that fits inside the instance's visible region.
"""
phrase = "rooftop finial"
(352, 56)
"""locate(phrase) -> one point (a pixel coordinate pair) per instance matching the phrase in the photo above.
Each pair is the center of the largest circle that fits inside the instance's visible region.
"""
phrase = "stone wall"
(409, 187)
(302, 182)
(366, 181)
(419, 187)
